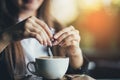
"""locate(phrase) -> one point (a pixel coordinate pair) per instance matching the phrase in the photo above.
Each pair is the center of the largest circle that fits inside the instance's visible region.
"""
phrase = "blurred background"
(99, 24)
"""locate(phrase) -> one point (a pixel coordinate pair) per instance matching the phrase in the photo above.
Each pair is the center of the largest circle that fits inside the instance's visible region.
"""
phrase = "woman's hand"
(67, 37)
(31, 27)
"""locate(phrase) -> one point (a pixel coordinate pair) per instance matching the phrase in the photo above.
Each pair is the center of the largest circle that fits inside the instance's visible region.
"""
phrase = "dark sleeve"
(1, 59)
(83, 69)
(3, 69)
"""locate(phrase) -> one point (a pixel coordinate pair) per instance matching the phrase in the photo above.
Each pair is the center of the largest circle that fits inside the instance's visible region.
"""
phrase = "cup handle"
(33, 63)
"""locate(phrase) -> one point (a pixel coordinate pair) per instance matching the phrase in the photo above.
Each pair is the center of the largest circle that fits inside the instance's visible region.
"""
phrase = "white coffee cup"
(50, 67)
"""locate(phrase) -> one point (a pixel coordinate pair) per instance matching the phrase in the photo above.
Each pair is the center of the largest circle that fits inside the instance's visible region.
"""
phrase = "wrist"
(76, 58)
(73, 51)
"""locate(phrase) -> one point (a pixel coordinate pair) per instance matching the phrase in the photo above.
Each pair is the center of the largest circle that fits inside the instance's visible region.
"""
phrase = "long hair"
(14, 56)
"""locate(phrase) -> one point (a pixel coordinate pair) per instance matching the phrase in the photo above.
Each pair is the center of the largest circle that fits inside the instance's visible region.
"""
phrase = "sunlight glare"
(90, 4)
(64, 10)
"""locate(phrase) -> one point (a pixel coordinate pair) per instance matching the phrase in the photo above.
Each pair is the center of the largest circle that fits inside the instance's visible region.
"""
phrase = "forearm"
(76, 58)
(4, 41)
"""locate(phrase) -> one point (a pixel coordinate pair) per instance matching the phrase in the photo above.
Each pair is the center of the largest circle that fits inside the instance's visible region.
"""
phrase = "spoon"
(49, 47)
(49, 51)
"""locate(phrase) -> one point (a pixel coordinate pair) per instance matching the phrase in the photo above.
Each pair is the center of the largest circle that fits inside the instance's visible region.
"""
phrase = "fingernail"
(55, 42)
(52, 39)
(55, 36)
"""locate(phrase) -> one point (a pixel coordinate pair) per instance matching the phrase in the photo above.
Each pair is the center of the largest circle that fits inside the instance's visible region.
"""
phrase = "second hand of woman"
(69, 38)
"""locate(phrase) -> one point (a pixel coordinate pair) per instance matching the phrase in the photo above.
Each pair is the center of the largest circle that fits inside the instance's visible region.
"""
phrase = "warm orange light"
(102, 26)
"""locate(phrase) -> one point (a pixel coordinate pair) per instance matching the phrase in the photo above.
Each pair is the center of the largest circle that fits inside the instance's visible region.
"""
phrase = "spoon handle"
(49, 51)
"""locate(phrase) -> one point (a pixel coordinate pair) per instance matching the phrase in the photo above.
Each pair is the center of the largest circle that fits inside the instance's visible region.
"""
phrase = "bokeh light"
(64, 10)
(97, 21)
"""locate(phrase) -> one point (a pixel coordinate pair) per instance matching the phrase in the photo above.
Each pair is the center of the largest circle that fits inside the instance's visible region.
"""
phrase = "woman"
(26, 31)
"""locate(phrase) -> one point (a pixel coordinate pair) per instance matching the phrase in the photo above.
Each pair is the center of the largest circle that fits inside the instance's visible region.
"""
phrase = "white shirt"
(33, 49)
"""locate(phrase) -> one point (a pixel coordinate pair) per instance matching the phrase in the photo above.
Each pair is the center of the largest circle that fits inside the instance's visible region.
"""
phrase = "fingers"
(70, 40)
(39, 30)
(63, 31)
(37, 36)
(40, 38)
(35, 30)
(44, 26)
(66, 37)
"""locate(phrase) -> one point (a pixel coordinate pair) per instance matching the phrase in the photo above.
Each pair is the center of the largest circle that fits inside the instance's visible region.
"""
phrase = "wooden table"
(77, 77)
(67, 77)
